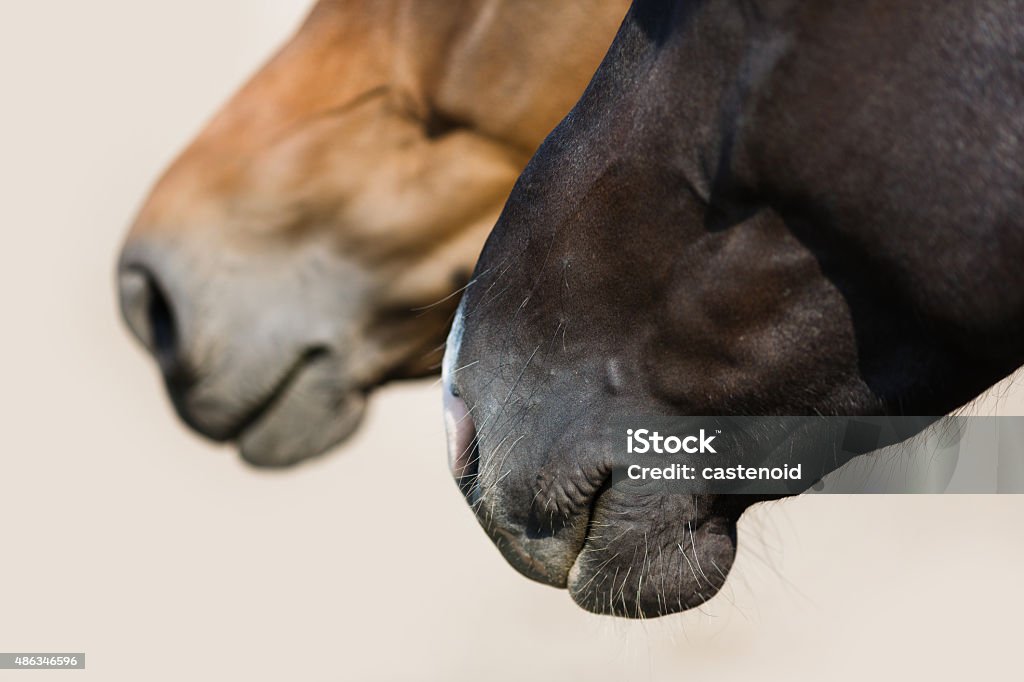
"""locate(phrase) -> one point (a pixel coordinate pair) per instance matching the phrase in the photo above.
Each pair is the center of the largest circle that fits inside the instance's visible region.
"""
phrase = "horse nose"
(150, 316)
(463, 455)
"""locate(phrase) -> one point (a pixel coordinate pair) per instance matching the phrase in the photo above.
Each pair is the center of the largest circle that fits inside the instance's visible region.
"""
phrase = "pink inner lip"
(461, 433)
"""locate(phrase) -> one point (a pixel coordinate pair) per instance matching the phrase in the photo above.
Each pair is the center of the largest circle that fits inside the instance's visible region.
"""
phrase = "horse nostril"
(150, 316)
(161, 320)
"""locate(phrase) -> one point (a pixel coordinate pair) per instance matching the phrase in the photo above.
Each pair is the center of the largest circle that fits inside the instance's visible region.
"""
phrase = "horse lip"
(513, 544)
(714, 523)
(257, 410)
(591, 508)
(523, 561)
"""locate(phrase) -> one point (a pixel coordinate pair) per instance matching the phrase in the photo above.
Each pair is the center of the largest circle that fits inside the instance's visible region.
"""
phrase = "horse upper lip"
(515, 543)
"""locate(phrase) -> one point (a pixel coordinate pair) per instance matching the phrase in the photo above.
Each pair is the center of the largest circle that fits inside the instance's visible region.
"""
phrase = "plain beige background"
(165, 558)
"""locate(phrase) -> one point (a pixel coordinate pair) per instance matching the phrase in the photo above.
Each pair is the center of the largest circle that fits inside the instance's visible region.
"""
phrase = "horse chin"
(645, 561)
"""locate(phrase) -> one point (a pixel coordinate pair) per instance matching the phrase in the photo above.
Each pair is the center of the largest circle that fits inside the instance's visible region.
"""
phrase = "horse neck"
(508, 68)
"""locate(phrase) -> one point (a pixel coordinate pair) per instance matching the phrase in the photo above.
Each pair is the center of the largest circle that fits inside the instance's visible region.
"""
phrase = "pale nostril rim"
(149, 315)
(461, 432)
(133, 286)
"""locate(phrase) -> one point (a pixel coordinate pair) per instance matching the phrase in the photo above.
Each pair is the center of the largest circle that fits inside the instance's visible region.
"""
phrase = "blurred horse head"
(309, 245)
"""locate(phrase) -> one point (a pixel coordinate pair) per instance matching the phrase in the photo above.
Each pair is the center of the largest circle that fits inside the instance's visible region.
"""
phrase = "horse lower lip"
(300, 427)
(259, 410)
